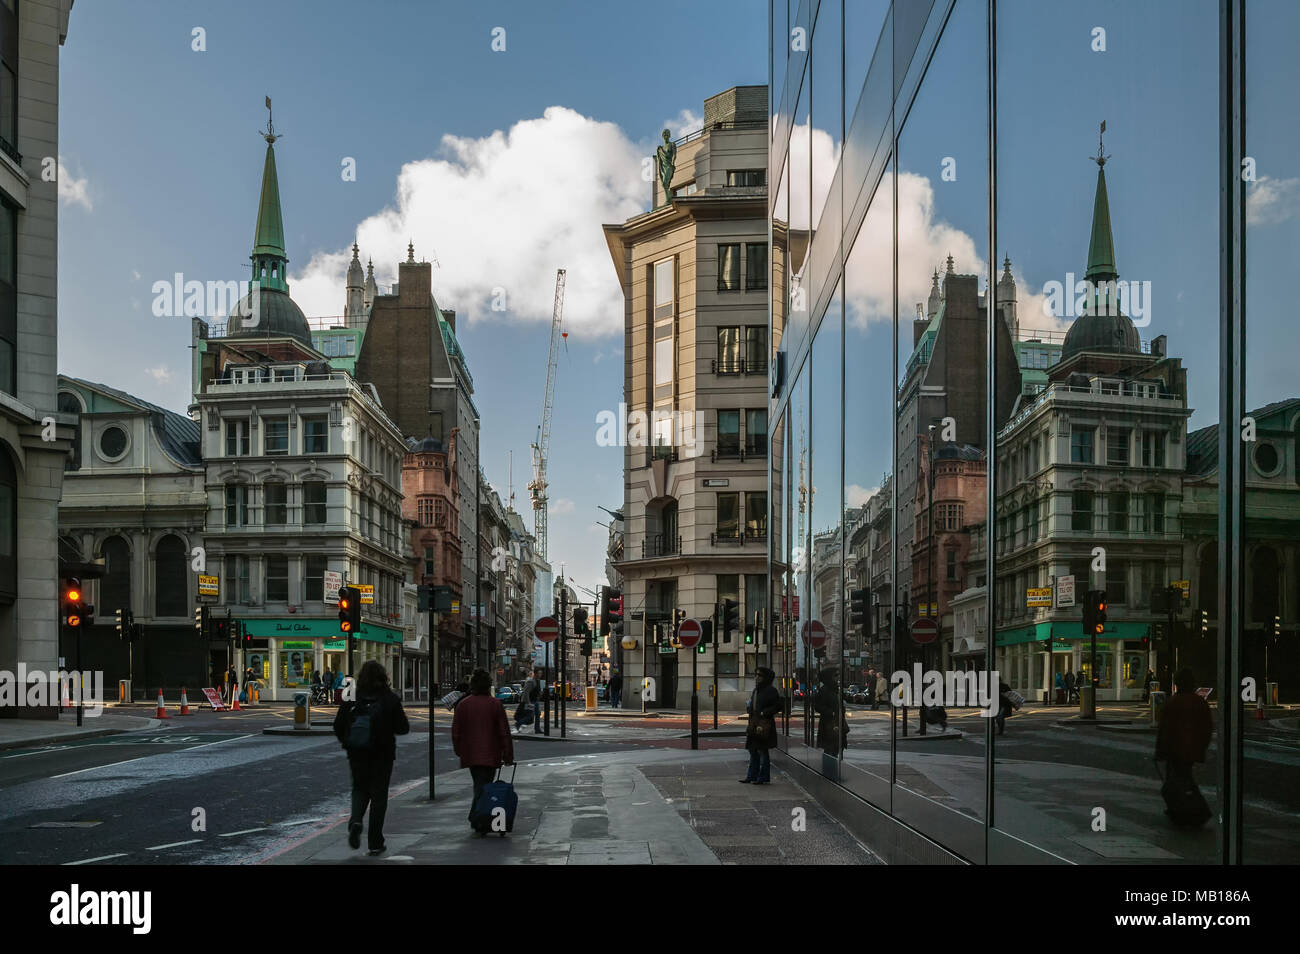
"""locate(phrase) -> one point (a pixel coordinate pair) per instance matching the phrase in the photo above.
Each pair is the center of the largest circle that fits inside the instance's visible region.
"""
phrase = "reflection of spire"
(936, 297)
(950, 267)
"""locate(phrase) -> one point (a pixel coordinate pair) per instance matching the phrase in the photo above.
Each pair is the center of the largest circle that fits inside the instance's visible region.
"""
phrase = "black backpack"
(363, 726)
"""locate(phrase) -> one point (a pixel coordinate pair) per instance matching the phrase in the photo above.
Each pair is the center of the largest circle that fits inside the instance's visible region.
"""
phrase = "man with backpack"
(368, 727)
(480, 734)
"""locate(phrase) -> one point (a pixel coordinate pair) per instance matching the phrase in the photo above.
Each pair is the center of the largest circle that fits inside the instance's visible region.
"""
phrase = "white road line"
(93, 767)
(246, 831)
(218, 742)
(305, 821)
(86, 861)
(174, 844)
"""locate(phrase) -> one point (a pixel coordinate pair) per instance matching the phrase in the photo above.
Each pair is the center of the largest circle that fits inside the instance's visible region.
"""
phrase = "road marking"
(93, 767)
(174, 844)
(219, 741)
(246, 831)
(305, 821)
(86, 861)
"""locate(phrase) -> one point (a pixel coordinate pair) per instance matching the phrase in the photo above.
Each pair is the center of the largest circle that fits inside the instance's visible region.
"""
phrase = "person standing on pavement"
(764, 703)
(232, 683)
(371, 760)
(616, 690)
(882, 690)
(480, 734)
(533, 698)
(1069, 686)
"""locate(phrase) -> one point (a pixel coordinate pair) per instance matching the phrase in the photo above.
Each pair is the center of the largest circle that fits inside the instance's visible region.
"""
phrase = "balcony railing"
(738, 537)
(750, 450)
(660, 545)
(737, 366)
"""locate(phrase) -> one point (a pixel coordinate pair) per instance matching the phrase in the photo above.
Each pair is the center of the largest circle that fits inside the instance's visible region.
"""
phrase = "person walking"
(1058, 684)
(1069, 687)
(831, 724)
(1005, 706)
(533, 698)
(760, 735)
(480, 734)
(232, 683)
(1186, 728)
(1146, 685)
(882, 690)
(368, 728)
(869, 688)
(616, 691)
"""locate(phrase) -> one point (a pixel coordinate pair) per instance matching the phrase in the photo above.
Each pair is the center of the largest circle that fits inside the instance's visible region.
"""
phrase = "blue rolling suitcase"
(497, 796)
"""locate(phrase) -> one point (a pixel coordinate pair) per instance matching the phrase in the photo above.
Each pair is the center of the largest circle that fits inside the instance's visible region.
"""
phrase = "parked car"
(850, 694)
(506, 694)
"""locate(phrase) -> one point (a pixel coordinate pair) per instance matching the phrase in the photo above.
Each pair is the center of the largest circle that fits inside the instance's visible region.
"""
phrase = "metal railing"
(737, 366)
(661, 544)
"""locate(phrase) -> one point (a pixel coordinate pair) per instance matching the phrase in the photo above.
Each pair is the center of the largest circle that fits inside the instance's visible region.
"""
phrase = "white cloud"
(502, 212)
(73, 191)
(135, 274)
(161, 374)
(1272, 201)
(856, 495)
(562, 505)
(686, 122)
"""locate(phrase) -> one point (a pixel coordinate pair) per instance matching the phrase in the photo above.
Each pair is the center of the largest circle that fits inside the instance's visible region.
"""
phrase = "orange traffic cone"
(162, 707)
(234, 700)
(1259, 711)
(66, 702)
(185, 703)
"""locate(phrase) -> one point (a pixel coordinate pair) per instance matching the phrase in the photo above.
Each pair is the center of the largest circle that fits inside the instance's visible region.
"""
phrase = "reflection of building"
(1270, 563)
(133, 496)
(303, 478)
(694, 272)
(35, 433)
(431, 508)
(1094, 459)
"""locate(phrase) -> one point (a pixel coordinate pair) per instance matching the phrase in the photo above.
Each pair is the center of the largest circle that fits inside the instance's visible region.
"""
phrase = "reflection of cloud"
(563, 505)
(825, 157)
(1272, 201)
(496, 235)
(855, 495)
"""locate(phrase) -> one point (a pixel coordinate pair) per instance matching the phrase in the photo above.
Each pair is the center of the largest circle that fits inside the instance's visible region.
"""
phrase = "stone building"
(35, 436)
(694, 272)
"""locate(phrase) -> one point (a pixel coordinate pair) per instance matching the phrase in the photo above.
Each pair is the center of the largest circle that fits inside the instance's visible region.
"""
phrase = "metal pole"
(546, 691)
(564, 661)
(715, 663)
(645, 664)
(433, 628)
(695, 700)
(81, 680)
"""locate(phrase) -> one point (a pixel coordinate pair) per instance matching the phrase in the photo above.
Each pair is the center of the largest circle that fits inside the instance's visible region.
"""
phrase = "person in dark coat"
(372, 766)
(831, 725)
(616, 690)
(1186, 728)
(764, 703)
(1005, 706)
(480, 734)
(1146, 685)
(1069, 686)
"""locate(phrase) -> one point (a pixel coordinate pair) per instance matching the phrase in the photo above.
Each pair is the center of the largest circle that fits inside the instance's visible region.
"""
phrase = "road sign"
(367, 591)
(1064, 591)
(333, 583)
(925, 630)
(546, 629)
(1185, 586)
(814, 634)
(690, 633)
(209, 585)
(1038, 596)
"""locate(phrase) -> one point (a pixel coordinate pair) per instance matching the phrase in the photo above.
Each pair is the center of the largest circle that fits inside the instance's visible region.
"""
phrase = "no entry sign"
(814, 634)
(546, 629)
(925, 630)
(689, 633)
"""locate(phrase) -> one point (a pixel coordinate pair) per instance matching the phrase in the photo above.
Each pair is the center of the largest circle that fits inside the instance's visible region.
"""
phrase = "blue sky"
(161, 142)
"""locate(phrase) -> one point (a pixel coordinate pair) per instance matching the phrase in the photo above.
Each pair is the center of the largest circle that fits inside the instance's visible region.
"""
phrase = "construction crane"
(541, 447)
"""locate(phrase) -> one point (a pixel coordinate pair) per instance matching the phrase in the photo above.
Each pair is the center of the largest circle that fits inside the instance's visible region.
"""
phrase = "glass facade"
(1063, 234)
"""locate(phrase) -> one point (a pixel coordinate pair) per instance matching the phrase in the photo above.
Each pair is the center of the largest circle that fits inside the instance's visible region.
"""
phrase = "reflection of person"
(1146, 685)
(831, 726)
(1186, 728)
(764, 703)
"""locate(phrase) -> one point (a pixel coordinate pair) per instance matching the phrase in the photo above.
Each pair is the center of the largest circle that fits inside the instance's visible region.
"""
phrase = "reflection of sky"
(1157, 88)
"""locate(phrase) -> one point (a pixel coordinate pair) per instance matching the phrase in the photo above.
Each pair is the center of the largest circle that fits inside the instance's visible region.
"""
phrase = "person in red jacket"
(480, 734)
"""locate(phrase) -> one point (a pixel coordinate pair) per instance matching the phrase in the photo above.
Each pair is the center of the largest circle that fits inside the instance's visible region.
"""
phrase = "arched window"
(170, 577)
(68, 404)
(8, 528)
(115, 587)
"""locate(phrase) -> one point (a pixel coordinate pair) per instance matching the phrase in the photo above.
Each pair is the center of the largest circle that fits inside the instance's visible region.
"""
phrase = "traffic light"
(1094, 613)
(706, 635)
(858, 608)
(122, 625)
(1277, 626)
(201, 621)
(220, 628)
(579, 621)
(751, 631)
(604, 611)
(1205, 623)
(241, 631)
(585, 650)
(730, 619)
(614, 612)
(75, 611)
(349, 610)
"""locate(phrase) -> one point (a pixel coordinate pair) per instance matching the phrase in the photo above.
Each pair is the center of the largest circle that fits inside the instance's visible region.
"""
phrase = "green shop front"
(284, 652)
(1029, 657)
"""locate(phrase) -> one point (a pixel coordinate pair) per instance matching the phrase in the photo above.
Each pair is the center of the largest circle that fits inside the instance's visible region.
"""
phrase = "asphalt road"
(207, 789)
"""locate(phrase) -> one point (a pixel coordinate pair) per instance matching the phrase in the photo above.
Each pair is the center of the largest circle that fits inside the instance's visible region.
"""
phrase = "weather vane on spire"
(1101, 157)
(270, 135)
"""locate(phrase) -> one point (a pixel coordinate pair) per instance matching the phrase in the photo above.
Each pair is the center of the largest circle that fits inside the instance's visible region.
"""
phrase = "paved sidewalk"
(19, 733)
(635, 808)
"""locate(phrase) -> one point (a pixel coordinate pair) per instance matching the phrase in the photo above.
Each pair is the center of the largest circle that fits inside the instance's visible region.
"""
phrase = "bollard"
(302, 710)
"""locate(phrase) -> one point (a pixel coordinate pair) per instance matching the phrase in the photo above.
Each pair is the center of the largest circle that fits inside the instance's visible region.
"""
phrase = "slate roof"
(177, 434)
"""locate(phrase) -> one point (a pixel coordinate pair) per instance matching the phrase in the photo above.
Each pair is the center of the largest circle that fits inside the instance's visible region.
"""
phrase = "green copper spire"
(1101, 246)
(269, 257)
